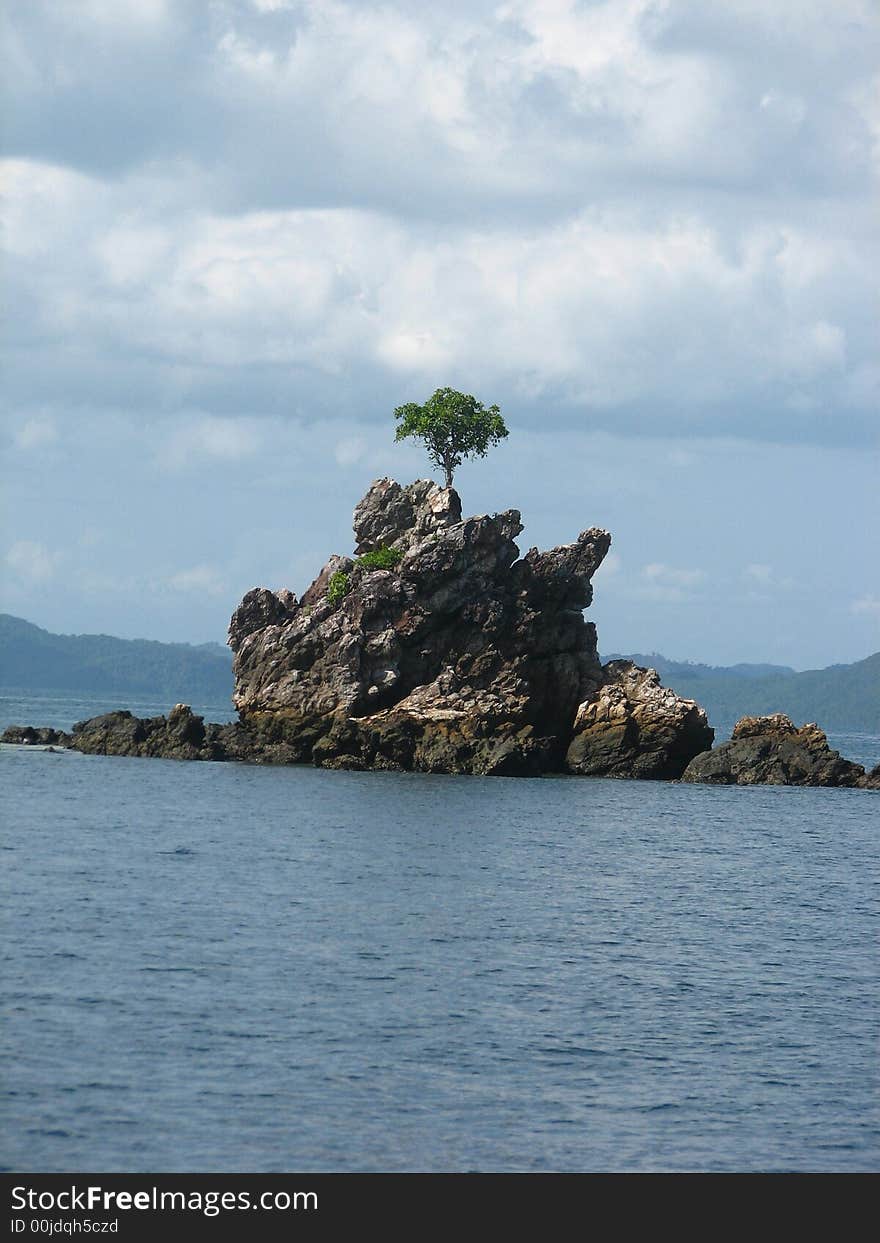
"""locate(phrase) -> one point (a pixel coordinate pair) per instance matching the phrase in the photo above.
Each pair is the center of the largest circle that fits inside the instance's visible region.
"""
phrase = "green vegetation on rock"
(380, 558)
(337, 588)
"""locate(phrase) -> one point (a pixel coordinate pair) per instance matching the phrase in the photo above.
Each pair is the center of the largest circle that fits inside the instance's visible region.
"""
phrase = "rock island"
(437, 647)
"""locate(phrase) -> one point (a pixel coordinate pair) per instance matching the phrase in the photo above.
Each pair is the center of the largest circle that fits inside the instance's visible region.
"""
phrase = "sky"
(239, 233)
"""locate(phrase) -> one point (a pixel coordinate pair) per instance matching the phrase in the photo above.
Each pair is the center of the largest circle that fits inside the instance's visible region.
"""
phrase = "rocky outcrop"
(771, 750)
(631, 726)
(437, 648)
(180, 736)
(35, 736)
(392, 515)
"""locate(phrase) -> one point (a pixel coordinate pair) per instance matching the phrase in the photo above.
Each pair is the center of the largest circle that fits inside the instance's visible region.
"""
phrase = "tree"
(454, 426)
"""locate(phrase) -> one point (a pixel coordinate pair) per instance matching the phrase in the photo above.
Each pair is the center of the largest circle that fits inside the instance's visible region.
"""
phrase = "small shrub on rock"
(337, 588)
(380, 558)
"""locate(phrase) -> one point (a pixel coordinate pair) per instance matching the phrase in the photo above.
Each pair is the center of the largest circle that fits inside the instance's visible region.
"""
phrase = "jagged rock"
(390, 515)
(180, 736)
(461, 658)
(35, 736)
(770, 750)
(631, 726)
(260, 608)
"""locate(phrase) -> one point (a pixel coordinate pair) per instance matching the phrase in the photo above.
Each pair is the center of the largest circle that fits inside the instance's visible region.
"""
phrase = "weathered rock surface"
(391, 515)
(35, 736)
(631, 726)
(462, 657)
(771, 750)
(180, 736)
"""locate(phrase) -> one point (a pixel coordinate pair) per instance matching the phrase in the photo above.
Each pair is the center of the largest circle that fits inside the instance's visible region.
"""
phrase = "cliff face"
(461, 656)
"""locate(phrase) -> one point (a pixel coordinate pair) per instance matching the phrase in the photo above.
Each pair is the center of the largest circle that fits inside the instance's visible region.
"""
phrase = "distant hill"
(34, 659)
(841, 697)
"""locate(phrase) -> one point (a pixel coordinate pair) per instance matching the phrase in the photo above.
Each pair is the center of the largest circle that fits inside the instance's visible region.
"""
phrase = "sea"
(231, 968)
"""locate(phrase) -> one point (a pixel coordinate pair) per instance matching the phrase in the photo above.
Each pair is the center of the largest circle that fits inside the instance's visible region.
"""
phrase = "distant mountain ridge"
(35, 659)
(840, 697)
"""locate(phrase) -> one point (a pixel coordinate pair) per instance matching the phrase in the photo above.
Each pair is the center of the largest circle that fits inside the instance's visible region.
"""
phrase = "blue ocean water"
(230, 968)
(62, 709)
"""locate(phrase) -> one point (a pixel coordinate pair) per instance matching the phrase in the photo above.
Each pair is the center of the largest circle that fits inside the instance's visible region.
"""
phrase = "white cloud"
(603, 314)
(762, 579)
(666, 584)
(869, 605)
(350, 451)
(36, 432)
(133, 253)
(658, 212)
(681, 457)
(759, 573)
(657, 572)
(32, 562)
(110, 12)
(207, 437)
(787, 110)
(200, 580)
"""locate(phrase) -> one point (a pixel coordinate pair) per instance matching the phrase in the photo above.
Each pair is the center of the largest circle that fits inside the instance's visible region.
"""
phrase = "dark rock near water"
(180, 736)
(438, 648)
(771, 750)
(35, 736)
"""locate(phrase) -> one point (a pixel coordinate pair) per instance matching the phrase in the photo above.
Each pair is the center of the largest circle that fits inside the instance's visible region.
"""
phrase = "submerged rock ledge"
(438, 648)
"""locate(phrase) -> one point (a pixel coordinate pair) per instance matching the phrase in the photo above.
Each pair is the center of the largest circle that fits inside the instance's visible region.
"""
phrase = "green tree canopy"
(454, 426)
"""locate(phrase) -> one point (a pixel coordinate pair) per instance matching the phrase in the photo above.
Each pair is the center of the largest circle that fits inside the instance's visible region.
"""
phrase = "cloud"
(350, 451)
(32, 562)
(199, 580)
(205, 437)
(869, 605)
(665, 584)
(275, 208)
(36, 432)
(763, 580)
(605, 317)
(681, 458)
(759, 573)
(360, 101)
(668, 575)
